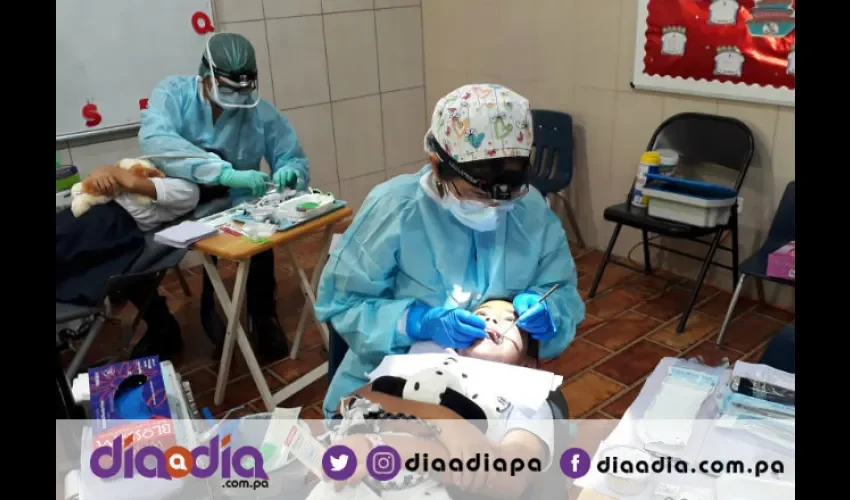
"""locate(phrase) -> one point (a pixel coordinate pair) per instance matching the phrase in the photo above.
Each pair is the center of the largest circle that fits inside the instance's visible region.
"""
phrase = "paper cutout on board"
(91, 115)
(729, 61)
(201, 23)
(723, 12)
(673, 40)
(792, 61)
(771, 18)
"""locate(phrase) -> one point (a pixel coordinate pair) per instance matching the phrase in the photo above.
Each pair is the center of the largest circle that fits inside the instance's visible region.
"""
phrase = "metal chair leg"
(183, 284)
(706, 264)
(647, 262)
(735, 295)
(605, 260)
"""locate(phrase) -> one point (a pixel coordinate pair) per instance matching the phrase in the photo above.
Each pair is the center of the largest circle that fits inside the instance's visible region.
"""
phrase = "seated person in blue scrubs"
(220, 110)
(107, 239)
(426, 249)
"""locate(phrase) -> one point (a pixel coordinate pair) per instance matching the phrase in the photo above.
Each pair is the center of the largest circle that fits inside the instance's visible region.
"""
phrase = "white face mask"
(475, 215)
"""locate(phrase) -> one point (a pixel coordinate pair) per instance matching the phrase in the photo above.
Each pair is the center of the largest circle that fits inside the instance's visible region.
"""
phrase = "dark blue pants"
(780, 351)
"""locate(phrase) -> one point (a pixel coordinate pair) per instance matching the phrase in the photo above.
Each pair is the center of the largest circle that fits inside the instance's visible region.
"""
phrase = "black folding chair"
(552, 159)
(782, 231)
(699, 139)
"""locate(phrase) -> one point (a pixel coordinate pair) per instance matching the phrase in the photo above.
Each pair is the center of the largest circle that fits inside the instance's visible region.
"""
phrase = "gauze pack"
(669, 418)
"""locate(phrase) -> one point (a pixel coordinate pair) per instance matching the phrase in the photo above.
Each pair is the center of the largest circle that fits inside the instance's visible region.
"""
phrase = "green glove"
(254, 180)
(286, 177)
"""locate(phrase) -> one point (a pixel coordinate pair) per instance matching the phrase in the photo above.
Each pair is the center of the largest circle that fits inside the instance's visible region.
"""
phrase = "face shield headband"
(231, 90)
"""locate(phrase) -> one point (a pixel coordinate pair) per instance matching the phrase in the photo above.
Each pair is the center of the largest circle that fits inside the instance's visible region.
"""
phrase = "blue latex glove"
(534, 317)
(454, 328)
(254, 180)
(285, 177)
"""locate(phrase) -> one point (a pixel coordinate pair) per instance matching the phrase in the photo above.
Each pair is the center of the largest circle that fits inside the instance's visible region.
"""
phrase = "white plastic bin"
(700, 212)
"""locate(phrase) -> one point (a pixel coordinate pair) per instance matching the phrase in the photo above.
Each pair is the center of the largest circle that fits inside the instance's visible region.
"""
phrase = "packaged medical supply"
(780, 263)
(669, 162)
(669, 418)
(275, 453)
(627, 470)
(741, 487)
(764, 382)
(669, 491)
(258, 230)
(649, 163)
(129, 402)
(772, 422)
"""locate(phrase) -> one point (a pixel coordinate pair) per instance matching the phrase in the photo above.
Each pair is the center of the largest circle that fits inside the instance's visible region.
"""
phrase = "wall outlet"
(740, 204)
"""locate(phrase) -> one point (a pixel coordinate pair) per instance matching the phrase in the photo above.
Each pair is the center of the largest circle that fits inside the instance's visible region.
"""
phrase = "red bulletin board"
(725, 49)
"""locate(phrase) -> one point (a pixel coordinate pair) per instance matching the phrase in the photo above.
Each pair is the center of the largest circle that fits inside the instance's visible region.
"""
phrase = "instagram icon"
(383, 463)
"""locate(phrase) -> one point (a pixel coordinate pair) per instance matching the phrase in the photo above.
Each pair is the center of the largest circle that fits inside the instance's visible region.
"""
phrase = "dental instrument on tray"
(516, 320)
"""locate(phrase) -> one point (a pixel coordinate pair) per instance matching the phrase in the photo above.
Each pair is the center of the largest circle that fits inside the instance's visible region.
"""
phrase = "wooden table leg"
(235, 332)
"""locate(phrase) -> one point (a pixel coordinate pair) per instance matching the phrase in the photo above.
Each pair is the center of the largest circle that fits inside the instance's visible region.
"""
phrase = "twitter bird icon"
(339, 463)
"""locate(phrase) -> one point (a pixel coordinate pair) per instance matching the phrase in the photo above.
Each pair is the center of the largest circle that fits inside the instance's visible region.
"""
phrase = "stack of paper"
(184, 234)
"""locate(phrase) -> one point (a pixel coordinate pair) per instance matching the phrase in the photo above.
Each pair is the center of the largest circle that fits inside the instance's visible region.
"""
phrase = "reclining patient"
(448, 412)
(106, 240)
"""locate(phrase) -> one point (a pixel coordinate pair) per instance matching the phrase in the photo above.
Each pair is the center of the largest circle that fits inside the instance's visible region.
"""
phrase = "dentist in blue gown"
(425, 249)
(220, 110)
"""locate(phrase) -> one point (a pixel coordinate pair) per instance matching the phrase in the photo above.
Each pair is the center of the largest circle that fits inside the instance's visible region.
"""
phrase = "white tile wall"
(359, 137)
(400, 48)
(291, 8)
(352, 58)
(349, 76)
(403, 115)
(300, 71)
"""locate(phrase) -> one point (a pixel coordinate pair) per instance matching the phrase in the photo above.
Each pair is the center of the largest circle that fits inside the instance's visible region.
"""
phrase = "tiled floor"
(630, 326)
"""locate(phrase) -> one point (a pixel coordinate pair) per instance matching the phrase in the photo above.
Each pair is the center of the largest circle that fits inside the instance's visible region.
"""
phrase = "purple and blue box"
(129, 399)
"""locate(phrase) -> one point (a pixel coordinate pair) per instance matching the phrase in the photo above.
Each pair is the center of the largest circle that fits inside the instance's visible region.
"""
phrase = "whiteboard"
(111, 53)
(713, 90)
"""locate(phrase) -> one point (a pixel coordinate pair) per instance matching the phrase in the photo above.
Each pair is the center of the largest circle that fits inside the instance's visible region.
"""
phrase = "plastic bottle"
(649, 163)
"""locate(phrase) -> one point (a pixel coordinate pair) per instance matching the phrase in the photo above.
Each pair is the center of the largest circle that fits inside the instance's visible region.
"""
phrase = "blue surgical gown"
(403, 246)
(178, 120)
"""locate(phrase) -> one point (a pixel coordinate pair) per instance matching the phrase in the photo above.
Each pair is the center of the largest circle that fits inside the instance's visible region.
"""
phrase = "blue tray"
(697, 189)
(283, 226)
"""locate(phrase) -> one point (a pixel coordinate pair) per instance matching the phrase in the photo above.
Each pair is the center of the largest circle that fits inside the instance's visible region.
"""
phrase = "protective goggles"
(500, 184)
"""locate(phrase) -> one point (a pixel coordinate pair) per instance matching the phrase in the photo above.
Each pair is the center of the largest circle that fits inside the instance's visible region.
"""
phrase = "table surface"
(227, 246)
(703, 445)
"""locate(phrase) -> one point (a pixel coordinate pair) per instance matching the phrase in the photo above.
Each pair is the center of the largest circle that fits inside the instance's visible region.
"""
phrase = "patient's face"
(498, 315)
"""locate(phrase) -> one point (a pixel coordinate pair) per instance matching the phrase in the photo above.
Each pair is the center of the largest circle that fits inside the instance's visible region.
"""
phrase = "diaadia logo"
(176, 462)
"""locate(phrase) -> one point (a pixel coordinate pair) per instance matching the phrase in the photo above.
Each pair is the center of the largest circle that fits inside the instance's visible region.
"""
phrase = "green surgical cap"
(231, 53)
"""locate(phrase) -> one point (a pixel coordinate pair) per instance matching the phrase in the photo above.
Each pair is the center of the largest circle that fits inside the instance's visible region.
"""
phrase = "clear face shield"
(232, 91)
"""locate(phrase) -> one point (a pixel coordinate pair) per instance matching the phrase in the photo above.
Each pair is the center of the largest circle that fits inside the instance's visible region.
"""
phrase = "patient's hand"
(103, 182)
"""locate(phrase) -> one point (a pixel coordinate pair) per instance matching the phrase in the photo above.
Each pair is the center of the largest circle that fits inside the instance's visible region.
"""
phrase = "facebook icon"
(575, 463)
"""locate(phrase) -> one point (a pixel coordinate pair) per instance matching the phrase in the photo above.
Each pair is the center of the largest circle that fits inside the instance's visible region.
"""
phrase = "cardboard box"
(780, 264)
(151, 423)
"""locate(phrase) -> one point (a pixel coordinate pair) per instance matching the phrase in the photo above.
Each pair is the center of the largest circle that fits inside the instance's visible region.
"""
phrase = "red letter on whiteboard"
(143, 103)
(201, 23)
(91, 114)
